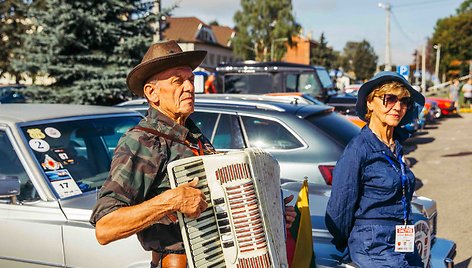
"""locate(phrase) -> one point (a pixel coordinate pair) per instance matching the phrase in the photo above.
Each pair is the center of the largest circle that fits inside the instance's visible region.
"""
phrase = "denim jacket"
(366, 188)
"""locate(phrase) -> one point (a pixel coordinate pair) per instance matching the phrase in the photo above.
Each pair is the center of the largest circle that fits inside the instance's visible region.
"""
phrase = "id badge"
(404, 238)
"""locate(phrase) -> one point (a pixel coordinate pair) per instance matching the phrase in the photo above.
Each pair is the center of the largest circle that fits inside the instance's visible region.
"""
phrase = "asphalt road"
(441, 159)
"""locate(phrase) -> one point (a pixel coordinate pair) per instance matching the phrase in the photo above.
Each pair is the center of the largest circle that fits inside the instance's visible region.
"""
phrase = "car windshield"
(335, 126)
(324, 78)
(75, 155)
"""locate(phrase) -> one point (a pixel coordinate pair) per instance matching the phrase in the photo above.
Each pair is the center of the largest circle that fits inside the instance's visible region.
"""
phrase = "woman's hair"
(394, 87)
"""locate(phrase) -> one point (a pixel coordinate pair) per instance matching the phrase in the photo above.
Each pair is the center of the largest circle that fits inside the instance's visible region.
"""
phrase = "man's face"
(176, 92)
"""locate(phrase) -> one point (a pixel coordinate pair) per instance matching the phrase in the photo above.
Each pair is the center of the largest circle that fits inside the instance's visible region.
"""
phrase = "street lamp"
(438, 55)
(388, 61)
(284, 39)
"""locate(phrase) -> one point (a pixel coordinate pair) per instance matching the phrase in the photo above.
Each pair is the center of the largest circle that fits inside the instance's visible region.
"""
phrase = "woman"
(372, 186)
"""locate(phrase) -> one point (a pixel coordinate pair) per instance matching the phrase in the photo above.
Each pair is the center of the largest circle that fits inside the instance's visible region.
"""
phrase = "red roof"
(183, 29)
(223, 34)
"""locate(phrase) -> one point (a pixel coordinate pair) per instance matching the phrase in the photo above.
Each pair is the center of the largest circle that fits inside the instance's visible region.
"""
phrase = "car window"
(268, 134)
(10, 165)
(205, 122)
(324, 78)
(335, 126)
(307, 83)
(75, 156)
(228, 134)
(248, 83)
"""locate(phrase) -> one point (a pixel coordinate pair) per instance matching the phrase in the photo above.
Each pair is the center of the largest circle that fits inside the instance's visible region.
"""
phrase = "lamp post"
(283, 39)
(388, 58)
(438, 55)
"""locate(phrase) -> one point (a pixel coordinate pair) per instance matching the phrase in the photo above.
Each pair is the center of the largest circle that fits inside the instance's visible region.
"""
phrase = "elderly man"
(136, 198)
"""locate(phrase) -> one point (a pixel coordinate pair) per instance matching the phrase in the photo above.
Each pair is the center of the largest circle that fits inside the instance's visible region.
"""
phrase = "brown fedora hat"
(159, 57)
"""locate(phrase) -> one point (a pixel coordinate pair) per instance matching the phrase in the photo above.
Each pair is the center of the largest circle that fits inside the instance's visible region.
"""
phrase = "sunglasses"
(389, 100)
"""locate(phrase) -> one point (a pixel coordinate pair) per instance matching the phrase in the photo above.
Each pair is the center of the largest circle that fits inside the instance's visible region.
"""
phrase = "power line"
(421, 3)
(401, 29)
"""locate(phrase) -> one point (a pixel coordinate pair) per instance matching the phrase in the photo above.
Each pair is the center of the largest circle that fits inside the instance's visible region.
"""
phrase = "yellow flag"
(301, 231)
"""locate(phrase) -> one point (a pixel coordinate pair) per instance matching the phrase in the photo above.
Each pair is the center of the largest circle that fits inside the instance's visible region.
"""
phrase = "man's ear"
(151, 92)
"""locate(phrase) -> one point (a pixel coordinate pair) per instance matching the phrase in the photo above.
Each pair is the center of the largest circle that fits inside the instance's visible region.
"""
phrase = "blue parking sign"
(404, 70)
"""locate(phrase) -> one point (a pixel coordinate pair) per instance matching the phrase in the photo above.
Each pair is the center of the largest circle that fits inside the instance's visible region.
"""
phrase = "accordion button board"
(243, 226)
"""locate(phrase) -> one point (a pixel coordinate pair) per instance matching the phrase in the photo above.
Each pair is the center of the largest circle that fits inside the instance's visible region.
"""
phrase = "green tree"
(87, 47)
(455, 36)
(360, 58)
(13, 24)
(263, 25)
(324, 55)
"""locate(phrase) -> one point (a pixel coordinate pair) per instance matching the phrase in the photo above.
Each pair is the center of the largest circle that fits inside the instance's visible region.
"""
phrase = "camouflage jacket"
(139, 172)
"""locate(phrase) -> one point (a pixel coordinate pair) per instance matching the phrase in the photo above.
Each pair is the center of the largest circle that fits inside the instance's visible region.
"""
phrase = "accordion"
(243, 225)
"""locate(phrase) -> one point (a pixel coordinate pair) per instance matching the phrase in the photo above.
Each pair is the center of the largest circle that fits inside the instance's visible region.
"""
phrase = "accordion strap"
(166, 136)
(158, 133)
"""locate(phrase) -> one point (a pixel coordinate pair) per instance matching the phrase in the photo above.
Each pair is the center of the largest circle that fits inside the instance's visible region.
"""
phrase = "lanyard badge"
(404, 234)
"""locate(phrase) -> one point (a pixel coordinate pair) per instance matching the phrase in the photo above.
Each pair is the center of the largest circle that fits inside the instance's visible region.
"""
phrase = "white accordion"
(244, 223)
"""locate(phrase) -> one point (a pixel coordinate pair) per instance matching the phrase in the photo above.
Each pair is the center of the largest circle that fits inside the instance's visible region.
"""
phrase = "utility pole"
(417, 77)
(423, 69)
(388, 58)
(438, 55)
(156, 9)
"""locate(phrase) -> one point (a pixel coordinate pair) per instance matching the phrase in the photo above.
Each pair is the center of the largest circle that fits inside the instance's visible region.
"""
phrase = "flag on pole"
(303, 255)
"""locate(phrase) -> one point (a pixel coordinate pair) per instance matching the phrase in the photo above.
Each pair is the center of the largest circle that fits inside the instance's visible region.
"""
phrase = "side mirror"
(9, 186)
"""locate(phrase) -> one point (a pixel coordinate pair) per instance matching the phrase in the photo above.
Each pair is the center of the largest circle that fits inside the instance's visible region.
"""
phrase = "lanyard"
(405, 186)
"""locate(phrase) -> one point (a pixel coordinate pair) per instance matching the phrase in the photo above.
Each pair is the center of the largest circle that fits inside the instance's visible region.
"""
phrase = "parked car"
(54, 158)
(307, 140)
(342, 103)
(12, 94)
(447, 106)
(435, 252)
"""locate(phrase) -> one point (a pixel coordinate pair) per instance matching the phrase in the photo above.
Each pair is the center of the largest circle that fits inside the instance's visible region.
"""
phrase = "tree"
(360, 58)
(13, 24)
(455, 36)
(263, 25)
(87, 47)
(324, 55)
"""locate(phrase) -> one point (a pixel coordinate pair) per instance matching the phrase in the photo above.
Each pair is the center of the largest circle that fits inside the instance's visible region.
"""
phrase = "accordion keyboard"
(233, 231)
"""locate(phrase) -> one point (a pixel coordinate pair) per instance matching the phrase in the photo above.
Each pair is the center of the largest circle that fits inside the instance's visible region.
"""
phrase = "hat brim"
(368, 87)
(138, 76)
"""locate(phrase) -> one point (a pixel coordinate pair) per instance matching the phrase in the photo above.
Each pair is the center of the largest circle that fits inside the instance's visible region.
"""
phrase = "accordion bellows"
(244, 224)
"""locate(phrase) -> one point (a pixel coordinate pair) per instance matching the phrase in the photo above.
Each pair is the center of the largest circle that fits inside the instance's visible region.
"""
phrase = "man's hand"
(189, 200)
(290, 213)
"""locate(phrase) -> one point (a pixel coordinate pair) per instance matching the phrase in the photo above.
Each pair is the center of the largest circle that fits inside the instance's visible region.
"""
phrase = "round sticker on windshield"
(52, 132)
(39, 145)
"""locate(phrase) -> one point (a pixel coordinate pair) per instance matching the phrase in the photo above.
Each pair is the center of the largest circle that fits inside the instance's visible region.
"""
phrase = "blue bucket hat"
(380, 79)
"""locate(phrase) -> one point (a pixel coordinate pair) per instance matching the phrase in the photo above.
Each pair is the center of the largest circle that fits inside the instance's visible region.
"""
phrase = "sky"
(411, 21)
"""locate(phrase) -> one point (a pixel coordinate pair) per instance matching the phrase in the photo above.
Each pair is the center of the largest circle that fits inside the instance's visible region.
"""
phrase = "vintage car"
(447, 106)
(54, 158)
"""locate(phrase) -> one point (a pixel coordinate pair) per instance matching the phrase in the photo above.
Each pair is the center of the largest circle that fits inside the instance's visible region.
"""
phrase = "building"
(193, 34)
(301, 50)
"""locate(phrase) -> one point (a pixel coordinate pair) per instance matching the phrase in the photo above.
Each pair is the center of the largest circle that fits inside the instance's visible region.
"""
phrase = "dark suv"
(281, 77)
(272, 77)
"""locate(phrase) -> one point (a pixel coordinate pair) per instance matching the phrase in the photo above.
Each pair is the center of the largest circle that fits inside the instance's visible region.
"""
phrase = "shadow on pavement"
(463, 264)
(458, 154)
(410, 161)
(418, 184)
